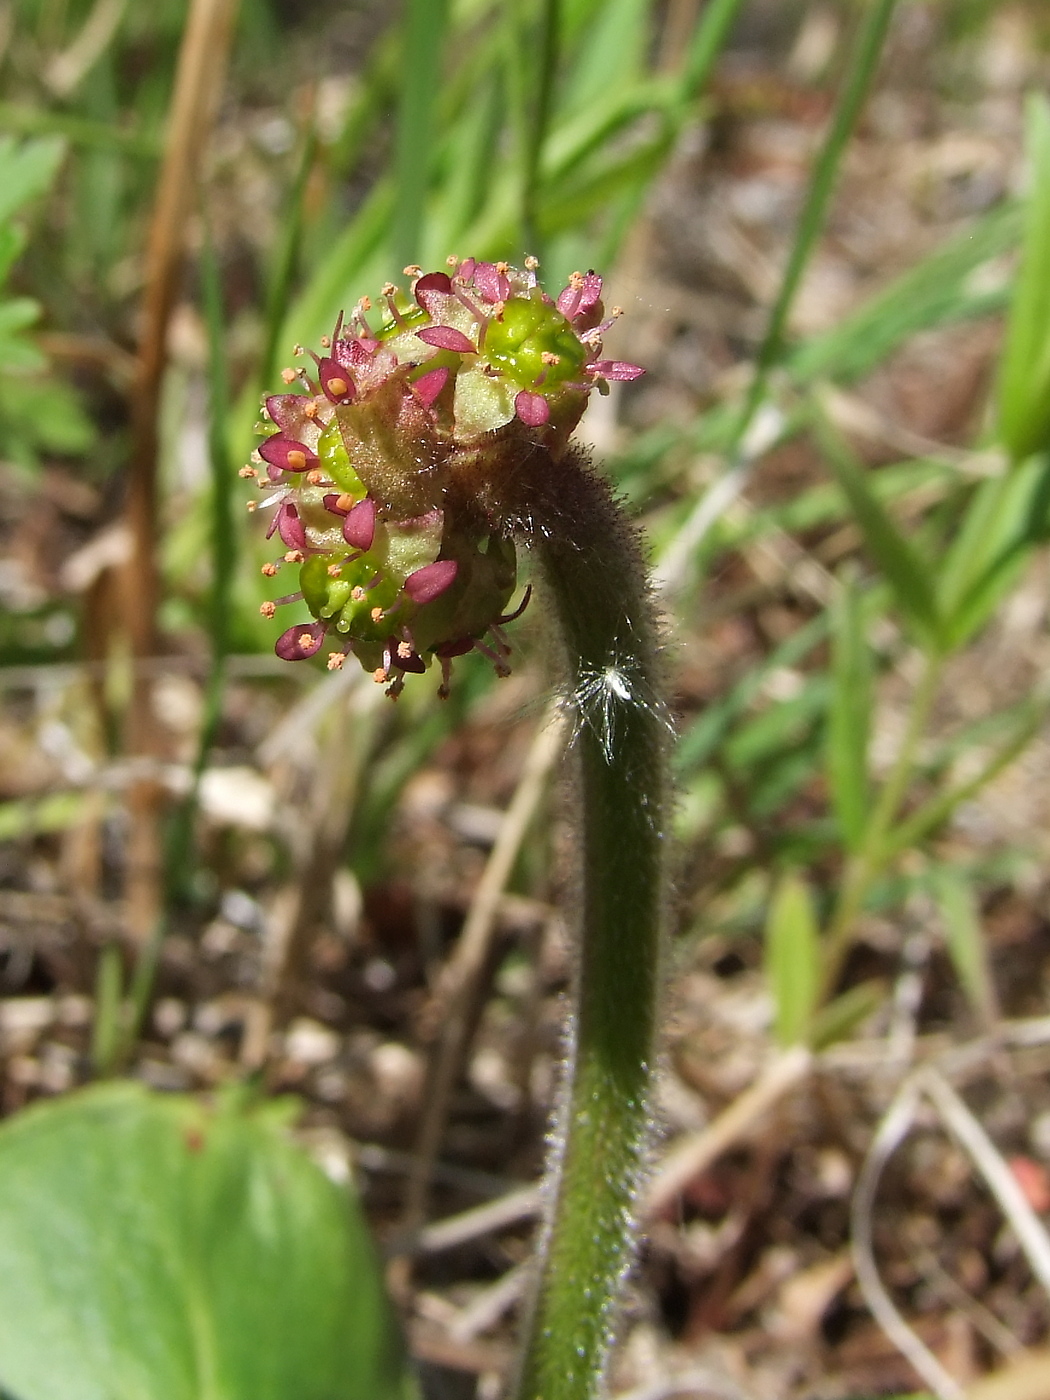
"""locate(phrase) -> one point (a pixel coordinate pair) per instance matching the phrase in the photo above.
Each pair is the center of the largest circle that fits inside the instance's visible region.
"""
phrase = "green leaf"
(849, 718)
(965, 940)
(900, 563)
(26, 170)
(792, 956)
(152, 1247)
(941, 288)
(1006, 518)
(835, 1021)
(1024, 381)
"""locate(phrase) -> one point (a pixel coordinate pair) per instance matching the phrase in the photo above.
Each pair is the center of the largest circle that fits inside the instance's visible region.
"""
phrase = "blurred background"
(818, 218)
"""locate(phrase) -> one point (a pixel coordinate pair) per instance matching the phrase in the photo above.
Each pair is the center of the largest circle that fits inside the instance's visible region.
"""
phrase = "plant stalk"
(595, 575)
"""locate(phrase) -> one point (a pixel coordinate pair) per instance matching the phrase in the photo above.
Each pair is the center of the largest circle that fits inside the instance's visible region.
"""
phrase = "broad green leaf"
(898, 560)
(26, 170)
(792, 959)
(153, 1249)
(849, 718)
(1024, 381)
(966, 943)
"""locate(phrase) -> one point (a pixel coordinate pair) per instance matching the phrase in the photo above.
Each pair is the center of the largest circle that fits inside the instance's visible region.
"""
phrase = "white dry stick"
(998, 1177)
(699, 1150)
(892, 1131)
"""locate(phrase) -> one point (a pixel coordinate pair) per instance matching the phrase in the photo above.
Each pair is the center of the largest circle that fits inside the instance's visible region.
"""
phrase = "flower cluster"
(388, 463)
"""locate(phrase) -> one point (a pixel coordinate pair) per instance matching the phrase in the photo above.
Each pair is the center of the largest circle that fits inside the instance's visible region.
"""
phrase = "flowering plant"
(390, 466)
(432, 434)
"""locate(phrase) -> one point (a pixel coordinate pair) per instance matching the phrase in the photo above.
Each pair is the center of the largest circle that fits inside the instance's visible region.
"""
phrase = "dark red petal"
(335, 381)
(290, 456)
(490, 282)
(359, 527)
(532, 409)
(427, 387)
(413, 662)
(300, 642)
(616, 369)
(447, 338)
(290, 526)
(457, 648)
(431, 580)
(466, 269)
(430, 289)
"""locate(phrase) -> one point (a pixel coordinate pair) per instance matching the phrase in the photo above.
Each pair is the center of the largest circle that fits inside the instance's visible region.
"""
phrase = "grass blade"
(1024, 385)
(792, 959)
(420, 83)
(849, 719)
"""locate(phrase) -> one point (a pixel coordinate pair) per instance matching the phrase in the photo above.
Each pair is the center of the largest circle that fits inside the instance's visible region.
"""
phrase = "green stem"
(871, 858)
(595, 575)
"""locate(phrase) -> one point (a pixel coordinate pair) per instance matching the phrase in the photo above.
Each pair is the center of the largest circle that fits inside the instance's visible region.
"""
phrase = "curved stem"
(596, 580)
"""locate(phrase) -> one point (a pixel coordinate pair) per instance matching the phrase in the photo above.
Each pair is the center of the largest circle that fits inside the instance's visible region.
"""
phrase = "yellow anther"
(335, 660)
(251, 505)
(376, 614)
(413, 270)
(550, 358)
(315, 477)
(337, 386)
(268, 608)
(289, 375)
(268, 570)
(294, 556)
(296, 460)
(248, 473)
(334, 570)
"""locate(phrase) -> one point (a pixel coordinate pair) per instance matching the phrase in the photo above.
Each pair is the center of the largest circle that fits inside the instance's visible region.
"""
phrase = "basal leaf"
(151, 1247)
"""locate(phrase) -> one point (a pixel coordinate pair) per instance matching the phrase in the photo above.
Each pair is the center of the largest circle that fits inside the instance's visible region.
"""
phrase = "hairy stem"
(596, 580)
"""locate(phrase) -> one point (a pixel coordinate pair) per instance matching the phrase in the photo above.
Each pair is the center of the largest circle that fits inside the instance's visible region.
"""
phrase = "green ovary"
(336, 461)
(529, 329)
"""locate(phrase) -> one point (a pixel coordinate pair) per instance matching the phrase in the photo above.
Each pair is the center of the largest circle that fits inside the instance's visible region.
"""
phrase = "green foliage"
(38, 412)
(849, 718)
(1024, 385)
(151, 1246)
(793, 959)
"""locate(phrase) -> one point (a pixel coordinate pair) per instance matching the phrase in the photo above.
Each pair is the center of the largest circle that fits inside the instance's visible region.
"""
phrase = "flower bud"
(391, 465)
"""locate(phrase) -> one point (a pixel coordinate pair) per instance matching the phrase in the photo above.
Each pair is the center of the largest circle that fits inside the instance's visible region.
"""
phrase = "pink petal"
(431, 580)
(447, 338)
(490, 282)
(290, 456)
(290, 527)
(300, 642)
(286, 410)
(427, 387)
(466, 269)
(359, 527)
(335, 381)
(532, 409)
(429, 289)
(569, 301)
(616, 369)
(592, 290)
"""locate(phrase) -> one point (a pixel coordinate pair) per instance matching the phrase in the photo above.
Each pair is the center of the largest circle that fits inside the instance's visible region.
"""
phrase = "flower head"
(389, 462)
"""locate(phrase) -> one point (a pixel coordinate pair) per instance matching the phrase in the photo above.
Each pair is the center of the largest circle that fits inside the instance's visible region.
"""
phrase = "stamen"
(294, 556)
(326, 342)
(268, 609)
(289, 375)
(335, 570)
(249, 473)
(412, 270)
(269, 569)
(252, 506)
(336, 660)
(296, 460)
(315, 477)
